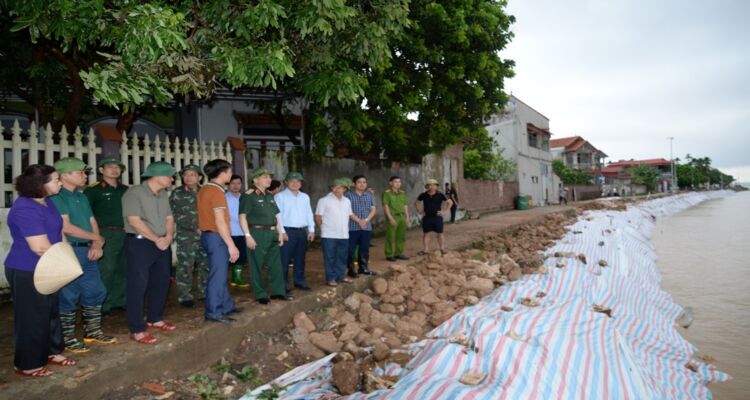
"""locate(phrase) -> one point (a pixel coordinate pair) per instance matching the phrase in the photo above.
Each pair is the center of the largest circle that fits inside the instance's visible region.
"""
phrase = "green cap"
(430, 182)
(343, 182)
(191, 167)
(260, 172)
(294, 175)
(111, 160)
(159, 168)
(71, 164)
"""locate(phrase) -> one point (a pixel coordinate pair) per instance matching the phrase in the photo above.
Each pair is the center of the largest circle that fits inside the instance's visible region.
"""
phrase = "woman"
(35, 225)
(452, 194)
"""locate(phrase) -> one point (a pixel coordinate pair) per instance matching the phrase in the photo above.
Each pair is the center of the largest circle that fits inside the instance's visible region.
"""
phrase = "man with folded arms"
(149, 230)
(299, 228)
(261, 224)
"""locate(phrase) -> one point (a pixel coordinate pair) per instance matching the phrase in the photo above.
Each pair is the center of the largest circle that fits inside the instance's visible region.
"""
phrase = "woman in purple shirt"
(34, 225)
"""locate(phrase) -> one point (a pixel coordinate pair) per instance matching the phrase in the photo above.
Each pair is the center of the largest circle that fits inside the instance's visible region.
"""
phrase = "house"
(523, 134)
(578, 153)
(616, 175)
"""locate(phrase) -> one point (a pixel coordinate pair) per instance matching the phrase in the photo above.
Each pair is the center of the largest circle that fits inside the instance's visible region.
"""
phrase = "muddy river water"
(704, 258)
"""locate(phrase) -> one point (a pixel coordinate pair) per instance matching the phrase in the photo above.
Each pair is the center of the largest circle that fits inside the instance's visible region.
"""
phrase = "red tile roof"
(563, 142)
(653, 162)
(572, 143)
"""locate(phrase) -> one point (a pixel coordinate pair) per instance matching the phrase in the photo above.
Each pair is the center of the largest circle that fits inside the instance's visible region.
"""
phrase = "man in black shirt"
(430, 206)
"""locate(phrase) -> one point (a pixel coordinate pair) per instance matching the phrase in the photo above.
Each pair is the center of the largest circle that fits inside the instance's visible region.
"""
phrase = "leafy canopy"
(570, 176)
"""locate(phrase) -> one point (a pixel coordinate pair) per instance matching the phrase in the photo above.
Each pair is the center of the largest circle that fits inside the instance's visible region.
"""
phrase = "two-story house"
(578, 153)
(618, 180)
(523, 134)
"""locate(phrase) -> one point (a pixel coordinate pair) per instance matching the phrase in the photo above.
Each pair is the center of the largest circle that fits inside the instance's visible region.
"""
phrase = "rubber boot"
(68, 327)
(92, 326)
(351, 269)
(237, 277)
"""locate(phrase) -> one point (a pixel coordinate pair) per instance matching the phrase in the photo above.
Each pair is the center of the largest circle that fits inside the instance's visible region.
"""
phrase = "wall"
(481, 196)
(583, 192)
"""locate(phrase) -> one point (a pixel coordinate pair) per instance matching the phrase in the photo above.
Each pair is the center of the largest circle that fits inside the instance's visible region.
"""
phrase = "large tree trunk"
(125, 122)
(73, 109)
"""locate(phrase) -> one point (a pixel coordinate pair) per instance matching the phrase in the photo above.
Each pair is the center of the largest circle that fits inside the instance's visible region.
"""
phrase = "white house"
(523, 134)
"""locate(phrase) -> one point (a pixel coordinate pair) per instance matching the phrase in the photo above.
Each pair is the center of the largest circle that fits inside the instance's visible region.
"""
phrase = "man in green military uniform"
(261, 224)
(105, 197)
(190, 253)
(395, 204)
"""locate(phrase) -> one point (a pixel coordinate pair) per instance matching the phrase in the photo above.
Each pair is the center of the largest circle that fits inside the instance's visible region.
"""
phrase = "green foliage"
(205, 387)
(644, 175)
(696, 172)
(271, 394)
(570, 176)
(488, 165)
(248, 375)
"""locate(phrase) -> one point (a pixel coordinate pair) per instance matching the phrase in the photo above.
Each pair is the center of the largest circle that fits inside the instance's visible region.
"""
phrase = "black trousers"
(148, 279)
(36, 321)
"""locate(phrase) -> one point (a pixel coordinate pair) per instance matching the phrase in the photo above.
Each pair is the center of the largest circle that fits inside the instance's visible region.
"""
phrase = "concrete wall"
(481, 196)
(583, 192)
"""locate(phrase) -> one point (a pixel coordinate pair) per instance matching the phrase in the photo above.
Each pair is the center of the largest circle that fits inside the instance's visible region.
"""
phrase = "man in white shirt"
(298, 226)
(332, 214)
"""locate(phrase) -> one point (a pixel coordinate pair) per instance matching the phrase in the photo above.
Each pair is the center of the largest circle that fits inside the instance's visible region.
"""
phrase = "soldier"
(82, 233)
(190, 253)
(105, 197)
(395, 204)
(261, 224)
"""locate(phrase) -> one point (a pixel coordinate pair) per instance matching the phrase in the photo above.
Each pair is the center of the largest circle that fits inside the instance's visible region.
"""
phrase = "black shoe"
(366, 272)
(352, 274)
(223, 319)
(285, 297)
(264, 300)
(303, 287)
(187, 303)
(391, 259)
(235, 310)
(401, 257)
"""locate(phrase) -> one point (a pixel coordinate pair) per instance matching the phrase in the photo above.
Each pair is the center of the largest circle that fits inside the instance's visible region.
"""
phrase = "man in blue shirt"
(298, 226)
(360, 226)
(234, 192)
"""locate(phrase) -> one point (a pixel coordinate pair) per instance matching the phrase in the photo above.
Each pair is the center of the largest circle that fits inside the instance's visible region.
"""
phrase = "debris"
(601, 243)
(582, 257)
(472, 377)
(506, 308)
(282, 356)
(164, 396)
(691, 366)
(541, 294)
(603, 263)
(601, 309)
(346, 377)
(529, 302)
(302, 321)
(560, 264)
(513, 335)
(154, 387)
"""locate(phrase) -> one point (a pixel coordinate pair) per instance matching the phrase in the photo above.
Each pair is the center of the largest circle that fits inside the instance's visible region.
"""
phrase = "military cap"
(71, 164)
(191, 167)
(159, 168)
(111, 160)
(343, 182)
(294, 175)
(260, 172)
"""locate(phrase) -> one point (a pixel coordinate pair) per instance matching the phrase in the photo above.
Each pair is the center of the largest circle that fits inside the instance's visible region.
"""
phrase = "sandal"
(332, 283)
(145, 338)
(36, 373)
(443, 252)
(422, 253)
(347, 280)
(164, 326)
(61, 360)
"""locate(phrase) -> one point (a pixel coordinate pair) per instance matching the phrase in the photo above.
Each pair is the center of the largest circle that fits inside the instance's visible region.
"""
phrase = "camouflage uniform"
(188, 240)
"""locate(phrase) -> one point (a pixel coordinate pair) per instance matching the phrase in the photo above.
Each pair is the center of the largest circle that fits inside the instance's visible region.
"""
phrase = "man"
(82, 232)
(261, 226)
(360, 227)
(149, 230)
(216, 238)
(184, 204)
(395, 204)
(105, 197)
(332, 214)
(452, 194)
(430, 206)
(233, 202)
(298, 228)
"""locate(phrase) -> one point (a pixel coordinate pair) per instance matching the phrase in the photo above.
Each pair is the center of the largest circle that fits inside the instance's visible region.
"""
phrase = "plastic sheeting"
(561, 348)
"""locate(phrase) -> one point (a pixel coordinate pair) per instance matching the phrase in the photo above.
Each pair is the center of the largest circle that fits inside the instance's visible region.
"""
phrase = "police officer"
(261, 225)
(395, 204)
(105, 197)
(190, 253)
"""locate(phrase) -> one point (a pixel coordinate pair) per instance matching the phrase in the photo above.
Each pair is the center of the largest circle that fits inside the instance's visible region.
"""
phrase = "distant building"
(523, 134)
(578, 153)
(616, 175)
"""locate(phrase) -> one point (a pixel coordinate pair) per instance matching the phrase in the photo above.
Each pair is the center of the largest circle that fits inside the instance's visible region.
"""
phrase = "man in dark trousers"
(299, 228)
(430, 206)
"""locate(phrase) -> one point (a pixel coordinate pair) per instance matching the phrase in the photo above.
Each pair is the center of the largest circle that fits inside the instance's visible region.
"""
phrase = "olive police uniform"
(395, 236)
(260, 211)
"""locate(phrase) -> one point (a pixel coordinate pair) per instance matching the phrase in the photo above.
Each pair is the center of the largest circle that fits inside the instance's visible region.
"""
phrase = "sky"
(628, 74)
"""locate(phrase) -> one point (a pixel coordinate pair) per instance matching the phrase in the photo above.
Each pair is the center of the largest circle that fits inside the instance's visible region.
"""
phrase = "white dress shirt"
(336, 213)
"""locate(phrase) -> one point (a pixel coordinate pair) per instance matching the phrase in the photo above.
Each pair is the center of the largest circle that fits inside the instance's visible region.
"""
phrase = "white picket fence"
(136, 152)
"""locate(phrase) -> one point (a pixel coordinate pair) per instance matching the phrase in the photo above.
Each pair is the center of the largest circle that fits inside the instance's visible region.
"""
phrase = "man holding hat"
(430, 206)
(82, 232)
(299, 228)
(332, 214)
(149, 227)
(105, 197)
(261, 224)
(184, 203)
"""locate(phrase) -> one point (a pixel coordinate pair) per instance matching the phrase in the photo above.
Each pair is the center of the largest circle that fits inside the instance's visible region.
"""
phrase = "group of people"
(122, 238)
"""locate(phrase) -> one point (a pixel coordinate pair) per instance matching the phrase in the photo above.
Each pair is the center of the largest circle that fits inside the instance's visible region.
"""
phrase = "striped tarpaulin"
(562, 348)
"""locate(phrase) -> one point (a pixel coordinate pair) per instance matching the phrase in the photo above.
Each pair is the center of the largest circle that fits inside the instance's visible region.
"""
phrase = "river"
(704, 258)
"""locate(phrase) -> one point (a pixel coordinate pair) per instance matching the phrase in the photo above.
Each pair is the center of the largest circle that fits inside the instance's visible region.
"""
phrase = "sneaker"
(76, 346)
(100, 337)
(187, 303)
(303, 287)
(264, 300)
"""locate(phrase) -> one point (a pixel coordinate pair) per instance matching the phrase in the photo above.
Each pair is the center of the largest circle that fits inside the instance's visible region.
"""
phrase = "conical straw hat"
(57, 267)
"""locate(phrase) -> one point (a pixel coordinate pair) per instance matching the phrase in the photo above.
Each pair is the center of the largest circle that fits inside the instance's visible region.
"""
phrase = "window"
(545, 143)
(532, 139)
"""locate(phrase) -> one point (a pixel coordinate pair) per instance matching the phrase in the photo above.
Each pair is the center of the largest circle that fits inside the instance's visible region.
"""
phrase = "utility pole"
(673, 169)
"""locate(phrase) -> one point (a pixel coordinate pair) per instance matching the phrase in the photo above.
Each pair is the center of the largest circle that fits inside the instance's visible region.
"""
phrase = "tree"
(570, 176)
(130, 54)
(644, 175)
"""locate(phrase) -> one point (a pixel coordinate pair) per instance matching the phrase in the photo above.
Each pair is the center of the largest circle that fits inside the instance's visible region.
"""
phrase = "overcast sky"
(627, 74)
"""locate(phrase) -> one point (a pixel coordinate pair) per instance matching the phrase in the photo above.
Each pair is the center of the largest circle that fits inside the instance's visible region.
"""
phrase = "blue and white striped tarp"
(562, 348)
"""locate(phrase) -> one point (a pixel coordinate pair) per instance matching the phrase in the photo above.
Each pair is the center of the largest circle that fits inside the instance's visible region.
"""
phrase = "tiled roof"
(563, 142)
(652, 162)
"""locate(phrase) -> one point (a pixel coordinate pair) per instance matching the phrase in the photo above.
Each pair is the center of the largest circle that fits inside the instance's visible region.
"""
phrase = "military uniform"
(106, 203)
(260, 210)
(188, 239)
(395, 236)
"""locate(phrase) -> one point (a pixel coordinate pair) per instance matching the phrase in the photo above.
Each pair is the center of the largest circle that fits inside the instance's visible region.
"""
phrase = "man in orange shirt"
(216, 238)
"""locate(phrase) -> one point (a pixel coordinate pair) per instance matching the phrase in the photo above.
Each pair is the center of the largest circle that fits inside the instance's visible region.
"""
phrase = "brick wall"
(478, 196)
